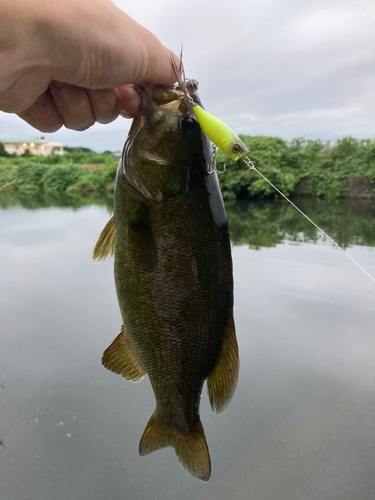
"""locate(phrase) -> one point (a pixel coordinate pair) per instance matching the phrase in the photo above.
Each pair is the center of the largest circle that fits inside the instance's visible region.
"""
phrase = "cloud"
(285, 68)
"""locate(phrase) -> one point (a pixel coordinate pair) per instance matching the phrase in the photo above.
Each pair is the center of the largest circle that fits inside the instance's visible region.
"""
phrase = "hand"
(73, 63)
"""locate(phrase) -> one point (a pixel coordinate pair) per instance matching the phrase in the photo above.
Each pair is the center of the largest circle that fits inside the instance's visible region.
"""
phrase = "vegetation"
(80, 149)
(75, 172)
(2, 151)
(324, 168)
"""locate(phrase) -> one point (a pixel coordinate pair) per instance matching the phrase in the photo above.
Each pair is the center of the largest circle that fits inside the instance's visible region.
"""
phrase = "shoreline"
(353, 187)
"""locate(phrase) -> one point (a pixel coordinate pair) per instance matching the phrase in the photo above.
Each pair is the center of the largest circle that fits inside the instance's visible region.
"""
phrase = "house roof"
(34, 140)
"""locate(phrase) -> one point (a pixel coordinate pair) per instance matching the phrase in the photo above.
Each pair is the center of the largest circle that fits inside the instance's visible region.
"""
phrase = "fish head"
(166, 147)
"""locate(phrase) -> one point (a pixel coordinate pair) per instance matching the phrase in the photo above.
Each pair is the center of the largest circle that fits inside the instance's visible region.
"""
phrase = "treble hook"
(214, 168)
(221, 171)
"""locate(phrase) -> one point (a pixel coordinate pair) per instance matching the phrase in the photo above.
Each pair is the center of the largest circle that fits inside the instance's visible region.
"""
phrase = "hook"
(212, 169)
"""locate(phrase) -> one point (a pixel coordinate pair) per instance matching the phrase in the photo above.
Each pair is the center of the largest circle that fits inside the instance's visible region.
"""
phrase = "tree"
(2, 151)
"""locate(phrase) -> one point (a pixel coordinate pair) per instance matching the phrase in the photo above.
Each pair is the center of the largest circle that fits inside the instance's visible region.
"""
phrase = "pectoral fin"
(105, 246)
(222, 381)
(119, 358)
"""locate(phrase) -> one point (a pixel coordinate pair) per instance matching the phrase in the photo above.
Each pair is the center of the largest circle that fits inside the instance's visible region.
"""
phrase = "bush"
(325, 166)
(59, 178)
(271, 156)
(101, 179)
(2, 151)
(31, 174)
(8, 174)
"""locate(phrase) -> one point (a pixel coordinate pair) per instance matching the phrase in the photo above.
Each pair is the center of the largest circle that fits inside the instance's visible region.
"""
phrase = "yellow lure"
(220, 134)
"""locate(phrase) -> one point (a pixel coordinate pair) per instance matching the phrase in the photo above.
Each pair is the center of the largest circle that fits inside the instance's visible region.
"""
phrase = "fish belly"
(175, 295)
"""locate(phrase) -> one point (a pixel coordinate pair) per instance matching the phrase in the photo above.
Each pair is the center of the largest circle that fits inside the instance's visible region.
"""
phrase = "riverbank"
(353, 187)
(299, 167)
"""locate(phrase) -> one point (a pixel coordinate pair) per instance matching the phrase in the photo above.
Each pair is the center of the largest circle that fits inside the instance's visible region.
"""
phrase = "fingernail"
(125, 114)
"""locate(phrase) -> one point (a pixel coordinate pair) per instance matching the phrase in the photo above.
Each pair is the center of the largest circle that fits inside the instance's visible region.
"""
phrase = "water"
(302, 423)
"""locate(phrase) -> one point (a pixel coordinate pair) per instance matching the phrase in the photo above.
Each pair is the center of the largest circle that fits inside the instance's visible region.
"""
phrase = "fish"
(173, 273)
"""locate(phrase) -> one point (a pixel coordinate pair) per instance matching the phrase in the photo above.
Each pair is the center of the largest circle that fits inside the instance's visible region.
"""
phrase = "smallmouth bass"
(173, 273)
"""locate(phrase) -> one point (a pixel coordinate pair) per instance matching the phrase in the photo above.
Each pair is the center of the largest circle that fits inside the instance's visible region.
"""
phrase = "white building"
(36, 146)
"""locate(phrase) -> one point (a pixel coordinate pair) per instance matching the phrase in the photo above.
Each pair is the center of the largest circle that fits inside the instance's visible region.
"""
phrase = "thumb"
(156, 61)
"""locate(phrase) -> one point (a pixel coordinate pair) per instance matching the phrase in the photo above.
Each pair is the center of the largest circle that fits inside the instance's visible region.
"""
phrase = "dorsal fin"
(105, 246)
(119, 358)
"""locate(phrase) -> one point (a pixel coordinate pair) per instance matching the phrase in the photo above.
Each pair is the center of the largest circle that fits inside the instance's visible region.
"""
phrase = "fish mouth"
(171, 98)
(157, 100)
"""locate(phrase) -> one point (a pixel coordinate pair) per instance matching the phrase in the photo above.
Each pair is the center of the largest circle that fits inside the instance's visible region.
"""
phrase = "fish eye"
(236, 148)
(189, 125)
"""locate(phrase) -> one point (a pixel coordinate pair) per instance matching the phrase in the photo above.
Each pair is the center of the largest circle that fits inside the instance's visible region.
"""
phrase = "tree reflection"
(265, 223)
(33, 201)
(256, 223)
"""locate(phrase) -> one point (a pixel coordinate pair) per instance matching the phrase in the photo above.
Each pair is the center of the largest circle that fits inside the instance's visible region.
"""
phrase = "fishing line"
(251, 166)
(225, 139)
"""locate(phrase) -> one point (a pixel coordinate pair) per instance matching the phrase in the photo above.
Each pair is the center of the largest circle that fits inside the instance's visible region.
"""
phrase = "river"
(301, 425)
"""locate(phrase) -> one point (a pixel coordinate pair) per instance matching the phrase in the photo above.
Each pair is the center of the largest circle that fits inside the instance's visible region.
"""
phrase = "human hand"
(73, 63)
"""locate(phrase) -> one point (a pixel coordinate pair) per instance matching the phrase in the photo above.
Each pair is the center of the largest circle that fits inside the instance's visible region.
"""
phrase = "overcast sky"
(287, 68)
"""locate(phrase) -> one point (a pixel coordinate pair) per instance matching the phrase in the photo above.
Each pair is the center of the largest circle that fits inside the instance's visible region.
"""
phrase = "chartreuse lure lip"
(220, 134)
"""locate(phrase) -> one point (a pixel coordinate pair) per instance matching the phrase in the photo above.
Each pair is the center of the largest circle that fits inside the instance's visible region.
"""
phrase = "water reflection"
(301, 424)
(265, 223)
(33, 201)
(257, 224)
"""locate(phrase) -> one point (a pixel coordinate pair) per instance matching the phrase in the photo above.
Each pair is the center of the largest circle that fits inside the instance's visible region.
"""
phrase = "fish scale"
(173, 275)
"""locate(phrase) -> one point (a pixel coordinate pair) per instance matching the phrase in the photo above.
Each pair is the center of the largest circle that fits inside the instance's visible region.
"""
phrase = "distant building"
(36, 146)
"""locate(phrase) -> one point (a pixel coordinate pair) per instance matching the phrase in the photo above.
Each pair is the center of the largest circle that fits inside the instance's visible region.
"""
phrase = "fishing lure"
(220, 134)
(217, 131)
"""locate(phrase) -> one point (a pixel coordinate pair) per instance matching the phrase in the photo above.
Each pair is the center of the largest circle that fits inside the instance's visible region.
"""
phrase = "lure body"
(220, 134)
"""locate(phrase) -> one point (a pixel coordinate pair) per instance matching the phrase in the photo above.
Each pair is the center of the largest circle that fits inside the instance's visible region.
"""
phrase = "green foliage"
(325, 169)
(60, 177)
(80, 149)
(101, 179)
(31, 174)
(76, 172)
(347, 158)
(2, 151)
(8, 174)
(286, 163)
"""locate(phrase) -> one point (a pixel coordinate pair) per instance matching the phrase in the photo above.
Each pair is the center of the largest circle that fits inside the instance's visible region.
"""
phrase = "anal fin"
(119, 358)
(222, 381)
(105, 246)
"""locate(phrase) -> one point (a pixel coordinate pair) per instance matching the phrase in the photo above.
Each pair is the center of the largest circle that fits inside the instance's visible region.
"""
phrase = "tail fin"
(191, 447)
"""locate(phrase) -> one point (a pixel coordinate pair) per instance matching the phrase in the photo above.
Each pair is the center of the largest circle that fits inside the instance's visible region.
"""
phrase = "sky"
(287, 68)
